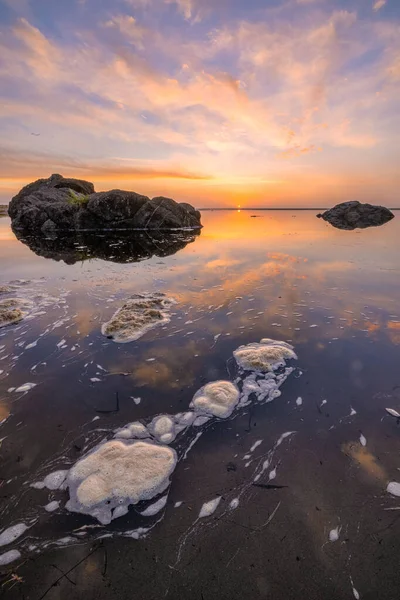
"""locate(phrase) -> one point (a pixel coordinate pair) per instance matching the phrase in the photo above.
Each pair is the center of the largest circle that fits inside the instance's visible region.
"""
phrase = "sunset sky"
(215, 102)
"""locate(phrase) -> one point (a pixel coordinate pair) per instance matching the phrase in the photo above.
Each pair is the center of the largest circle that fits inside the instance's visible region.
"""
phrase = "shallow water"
(334, 295)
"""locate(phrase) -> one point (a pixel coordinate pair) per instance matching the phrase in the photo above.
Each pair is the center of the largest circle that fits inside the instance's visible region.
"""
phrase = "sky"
(216, 102)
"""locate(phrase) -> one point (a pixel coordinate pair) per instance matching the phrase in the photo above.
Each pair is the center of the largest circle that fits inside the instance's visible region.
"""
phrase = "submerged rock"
(353, 215)
(137, 316)
(5, 289)
(57, 203)
(13, 310)
(118, 247)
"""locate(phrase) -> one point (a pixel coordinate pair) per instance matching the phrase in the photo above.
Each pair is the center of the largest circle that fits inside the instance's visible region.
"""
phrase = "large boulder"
(45, 187)
(353, 215)
(57, 204)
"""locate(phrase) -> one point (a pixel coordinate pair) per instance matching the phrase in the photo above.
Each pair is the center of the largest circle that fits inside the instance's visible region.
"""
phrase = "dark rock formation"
(57, 204)
(353, 215)
(118, 246)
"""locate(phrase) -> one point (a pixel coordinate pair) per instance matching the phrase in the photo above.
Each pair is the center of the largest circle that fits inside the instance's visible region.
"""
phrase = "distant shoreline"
(4, 208)
(273, 208)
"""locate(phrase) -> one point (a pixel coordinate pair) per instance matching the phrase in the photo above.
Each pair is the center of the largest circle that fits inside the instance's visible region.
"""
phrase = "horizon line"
(270, 208)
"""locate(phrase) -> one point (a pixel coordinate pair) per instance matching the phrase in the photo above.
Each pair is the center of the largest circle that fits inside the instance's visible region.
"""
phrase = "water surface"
(334, 295)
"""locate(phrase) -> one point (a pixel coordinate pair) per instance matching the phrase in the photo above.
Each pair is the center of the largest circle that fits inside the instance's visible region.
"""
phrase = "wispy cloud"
(378, 5)
(43, 164)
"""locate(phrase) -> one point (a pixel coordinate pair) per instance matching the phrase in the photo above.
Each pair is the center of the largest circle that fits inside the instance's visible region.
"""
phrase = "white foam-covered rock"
(135, 430)
(12, 533)
(139, 314)
(266, 355)
(163, 429)
(136, 465)
(218, 399)
(119, 474)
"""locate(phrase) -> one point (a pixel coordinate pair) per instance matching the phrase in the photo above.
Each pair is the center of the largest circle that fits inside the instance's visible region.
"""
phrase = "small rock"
(353, 215)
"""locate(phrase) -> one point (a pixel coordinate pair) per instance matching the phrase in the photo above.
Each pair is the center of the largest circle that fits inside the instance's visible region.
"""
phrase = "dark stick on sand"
(269, 486)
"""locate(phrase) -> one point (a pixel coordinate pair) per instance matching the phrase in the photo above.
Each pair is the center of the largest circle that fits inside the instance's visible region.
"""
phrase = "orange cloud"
(294, 151)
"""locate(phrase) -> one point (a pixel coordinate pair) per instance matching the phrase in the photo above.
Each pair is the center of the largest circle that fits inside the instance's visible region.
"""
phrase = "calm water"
(335, 295)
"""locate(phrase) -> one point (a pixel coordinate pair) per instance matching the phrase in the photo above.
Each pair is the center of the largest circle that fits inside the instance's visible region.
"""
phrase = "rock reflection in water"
(121, 247)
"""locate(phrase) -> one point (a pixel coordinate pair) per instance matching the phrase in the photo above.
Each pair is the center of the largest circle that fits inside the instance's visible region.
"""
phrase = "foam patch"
(12, 533)
(218, 399)
(209, 508)
(393, 488)
(52, 506)
(267, 355)
(155, 508)
(118, 474)
(163, 429)
(9, 557)
(52, 481)
(135, 430)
